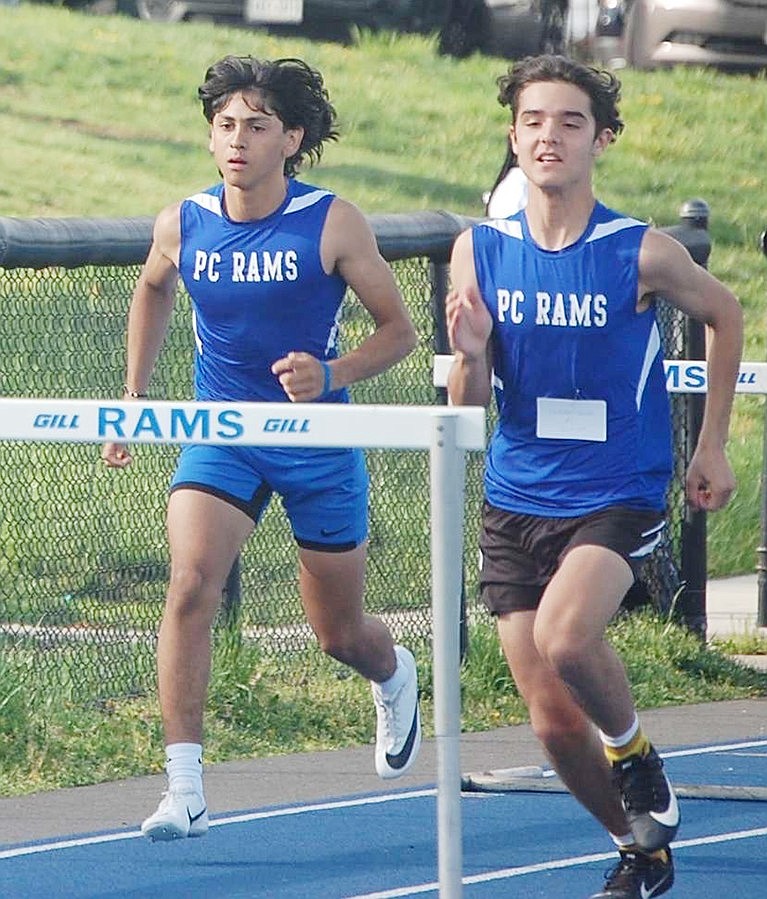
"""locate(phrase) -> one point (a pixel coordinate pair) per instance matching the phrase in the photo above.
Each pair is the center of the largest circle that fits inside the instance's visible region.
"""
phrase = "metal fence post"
(694, 560)
(439, 273)
(761, 552)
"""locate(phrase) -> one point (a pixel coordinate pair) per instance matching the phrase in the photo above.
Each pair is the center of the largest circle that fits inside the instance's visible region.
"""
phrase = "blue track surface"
(385, 845)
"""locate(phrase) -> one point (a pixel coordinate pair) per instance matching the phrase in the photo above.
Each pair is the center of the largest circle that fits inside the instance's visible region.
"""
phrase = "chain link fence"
(83, 552)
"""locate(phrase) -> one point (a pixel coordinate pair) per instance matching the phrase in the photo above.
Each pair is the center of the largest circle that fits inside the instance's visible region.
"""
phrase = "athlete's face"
(554, 134)
(249, 142)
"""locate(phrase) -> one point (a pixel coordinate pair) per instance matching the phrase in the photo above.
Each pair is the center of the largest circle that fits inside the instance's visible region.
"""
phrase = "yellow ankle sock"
(638, 745)
(659, 855)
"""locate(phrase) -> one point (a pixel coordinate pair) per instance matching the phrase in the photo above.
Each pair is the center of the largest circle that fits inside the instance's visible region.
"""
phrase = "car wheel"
(553, 26)
(465, 30)
(610, 21)
(161, 10)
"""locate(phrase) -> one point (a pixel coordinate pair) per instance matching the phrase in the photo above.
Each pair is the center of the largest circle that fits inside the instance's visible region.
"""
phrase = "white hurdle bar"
(447, 432)
(682, 375)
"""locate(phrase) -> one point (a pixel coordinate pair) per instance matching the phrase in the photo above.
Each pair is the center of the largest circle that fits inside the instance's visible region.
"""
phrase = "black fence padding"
(83, 553)
(72, 242)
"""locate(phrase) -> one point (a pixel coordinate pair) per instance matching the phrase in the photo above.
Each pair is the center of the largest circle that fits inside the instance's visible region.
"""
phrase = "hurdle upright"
(446, 432)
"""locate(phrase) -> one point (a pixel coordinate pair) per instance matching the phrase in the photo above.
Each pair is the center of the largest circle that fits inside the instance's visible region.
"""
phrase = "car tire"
(610, 22)
(161, 10)
(465, 29)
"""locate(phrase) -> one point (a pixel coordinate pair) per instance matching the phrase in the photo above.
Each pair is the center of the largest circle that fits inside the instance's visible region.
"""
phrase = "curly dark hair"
(602, 87)
(291, 88)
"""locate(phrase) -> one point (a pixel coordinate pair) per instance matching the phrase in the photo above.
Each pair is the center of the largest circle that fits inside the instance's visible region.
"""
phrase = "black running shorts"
(521, 553)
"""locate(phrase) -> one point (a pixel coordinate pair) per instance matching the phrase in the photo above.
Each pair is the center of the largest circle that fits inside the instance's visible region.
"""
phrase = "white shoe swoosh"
(647, 894)
(669, 818)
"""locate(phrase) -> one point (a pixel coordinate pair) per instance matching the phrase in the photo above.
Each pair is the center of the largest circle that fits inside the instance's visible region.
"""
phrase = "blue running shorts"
(324, 491)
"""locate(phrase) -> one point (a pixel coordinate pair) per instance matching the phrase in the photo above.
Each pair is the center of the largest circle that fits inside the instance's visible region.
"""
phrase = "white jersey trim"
(651, 351)
(196, 333)
(213, 203)
(208, 201)
(505, 226)
(605, 229)
(299, 203)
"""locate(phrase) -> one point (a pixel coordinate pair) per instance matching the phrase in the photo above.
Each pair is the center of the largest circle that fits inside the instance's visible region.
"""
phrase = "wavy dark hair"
(293, 91)
(602, 87)
(509, 163)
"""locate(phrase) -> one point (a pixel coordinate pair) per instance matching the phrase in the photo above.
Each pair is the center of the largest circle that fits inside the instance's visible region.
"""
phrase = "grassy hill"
(100, 118)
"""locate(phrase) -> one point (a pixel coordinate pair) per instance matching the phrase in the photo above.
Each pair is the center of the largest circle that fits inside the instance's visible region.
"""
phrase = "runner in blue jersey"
(267, 261)
(553, 309)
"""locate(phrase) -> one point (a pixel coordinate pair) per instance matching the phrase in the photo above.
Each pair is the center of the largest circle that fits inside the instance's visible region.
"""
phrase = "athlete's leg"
(582, 597)
(569, 739)
(574, 612)
(330, 501)
(332, 586)
(205, 534)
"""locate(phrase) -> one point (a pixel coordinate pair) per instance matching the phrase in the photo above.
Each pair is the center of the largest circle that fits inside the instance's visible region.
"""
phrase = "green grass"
(257, 708)
(108, 103)
(100, 118)
(747, 644)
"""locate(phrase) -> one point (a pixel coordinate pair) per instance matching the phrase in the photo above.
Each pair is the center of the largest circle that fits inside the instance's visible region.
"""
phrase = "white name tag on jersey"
(571, 419)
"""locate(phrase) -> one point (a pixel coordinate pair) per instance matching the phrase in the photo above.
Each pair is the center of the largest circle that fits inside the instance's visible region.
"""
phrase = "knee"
(190, 594)
(565, 653)
(338, 644)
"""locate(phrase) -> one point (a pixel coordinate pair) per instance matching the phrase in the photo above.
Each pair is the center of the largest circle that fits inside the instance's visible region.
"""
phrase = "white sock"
(622, 739)
(390, 686)
(183, 764)
(624, 842)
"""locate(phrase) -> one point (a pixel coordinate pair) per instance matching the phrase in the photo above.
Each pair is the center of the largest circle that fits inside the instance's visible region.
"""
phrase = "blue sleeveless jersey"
(565, 326)
(258, 291)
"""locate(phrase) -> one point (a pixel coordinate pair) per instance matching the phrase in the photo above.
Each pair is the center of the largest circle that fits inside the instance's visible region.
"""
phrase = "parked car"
(510, 28)
(728, 34)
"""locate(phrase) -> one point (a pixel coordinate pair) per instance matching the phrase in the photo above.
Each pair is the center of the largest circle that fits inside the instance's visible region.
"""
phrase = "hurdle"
(446, 432)
(682, 375)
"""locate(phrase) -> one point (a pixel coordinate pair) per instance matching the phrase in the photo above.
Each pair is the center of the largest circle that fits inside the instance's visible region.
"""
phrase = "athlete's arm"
(153, 300)
(468, 327)
(149, 314)
(666, 268)
(349, 247)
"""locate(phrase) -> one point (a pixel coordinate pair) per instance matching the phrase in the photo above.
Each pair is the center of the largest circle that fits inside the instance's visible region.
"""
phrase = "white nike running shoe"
(398, 722)
(180, 814)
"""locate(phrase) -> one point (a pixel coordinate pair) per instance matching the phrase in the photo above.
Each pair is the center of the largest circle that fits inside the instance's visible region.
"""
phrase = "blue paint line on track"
(383, 846)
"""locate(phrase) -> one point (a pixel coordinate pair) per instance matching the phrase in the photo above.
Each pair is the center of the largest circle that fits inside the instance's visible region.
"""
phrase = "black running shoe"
(648, 800)
(638, 876)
